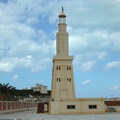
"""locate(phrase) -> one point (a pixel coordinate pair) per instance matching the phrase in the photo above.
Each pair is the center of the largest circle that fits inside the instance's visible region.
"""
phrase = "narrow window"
(69, 79)
(59, 68)
(58, 79)
(69, 68)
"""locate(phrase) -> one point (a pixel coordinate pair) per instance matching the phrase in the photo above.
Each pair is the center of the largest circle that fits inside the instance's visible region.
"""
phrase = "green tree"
(7, 92)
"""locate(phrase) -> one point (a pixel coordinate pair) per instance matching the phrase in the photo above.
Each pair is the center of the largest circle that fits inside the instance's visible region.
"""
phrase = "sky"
(28, 43)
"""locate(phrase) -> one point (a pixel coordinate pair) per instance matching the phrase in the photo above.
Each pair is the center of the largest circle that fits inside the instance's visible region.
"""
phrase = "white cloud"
(116, 87)
(101, 55)
(35, 64)
(15, 77)
(23, 31)
(92, 14)
(85, 82)
(112, 65)
(85, 61)
(93, 41)
(6, 66)
(88, 65)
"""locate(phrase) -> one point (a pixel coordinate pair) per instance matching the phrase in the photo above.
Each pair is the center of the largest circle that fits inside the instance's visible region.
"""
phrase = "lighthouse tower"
(62, 73)
(63, 90)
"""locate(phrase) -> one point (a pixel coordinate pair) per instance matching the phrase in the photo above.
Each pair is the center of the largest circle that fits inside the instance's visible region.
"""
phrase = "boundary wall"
(11, 106)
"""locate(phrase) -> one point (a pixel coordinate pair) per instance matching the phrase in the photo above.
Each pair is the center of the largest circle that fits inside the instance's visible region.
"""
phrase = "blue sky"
(27, 43)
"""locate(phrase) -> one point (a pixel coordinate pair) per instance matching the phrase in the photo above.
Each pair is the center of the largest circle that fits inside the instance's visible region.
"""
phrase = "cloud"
(85, 61)
(116, 87)
(6, 66)
(86, 66)
(85, 82)
(91, 41)
(112, 65)
(15, 77)
(22, 44)
(25, 26)
(92, 14)
(9, 64)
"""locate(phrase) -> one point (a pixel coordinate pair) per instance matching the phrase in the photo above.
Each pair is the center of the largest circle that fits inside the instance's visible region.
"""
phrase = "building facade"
(40, 88)
(63, 90)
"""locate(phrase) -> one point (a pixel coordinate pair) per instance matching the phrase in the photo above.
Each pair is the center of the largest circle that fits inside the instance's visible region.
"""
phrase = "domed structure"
(62, 14)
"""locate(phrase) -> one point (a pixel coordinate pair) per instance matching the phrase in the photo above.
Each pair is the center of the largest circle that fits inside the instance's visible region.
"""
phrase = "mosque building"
(63, 99)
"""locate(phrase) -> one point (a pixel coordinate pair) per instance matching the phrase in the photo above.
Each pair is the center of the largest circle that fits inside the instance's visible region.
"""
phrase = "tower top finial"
(62, 15)
(62, 9)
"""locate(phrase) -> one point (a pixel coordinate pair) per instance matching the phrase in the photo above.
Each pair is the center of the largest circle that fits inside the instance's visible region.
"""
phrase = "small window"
(69, 68)
(58, 79)
(58, 68)
(69, 79)
(92, 106)
(70, 106)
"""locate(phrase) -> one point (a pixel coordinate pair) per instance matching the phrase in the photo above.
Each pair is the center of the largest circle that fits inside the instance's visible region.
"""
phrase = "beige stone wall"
(62, 78)
(54, 108)
(81, 106)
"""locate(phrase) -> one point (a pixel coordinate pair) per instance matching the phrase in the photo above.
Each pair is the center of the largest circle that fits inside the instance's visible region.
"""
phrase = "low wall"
(10, 106)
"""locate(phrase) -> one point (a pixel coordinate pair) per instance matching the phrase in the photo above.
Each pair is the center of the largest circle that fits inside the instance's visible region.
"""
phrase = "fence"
(8, 106)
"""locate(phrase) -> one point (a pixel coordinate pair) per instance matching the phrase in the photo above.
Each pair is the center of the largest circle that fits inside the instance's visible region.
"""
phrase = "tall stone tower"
(62, 73)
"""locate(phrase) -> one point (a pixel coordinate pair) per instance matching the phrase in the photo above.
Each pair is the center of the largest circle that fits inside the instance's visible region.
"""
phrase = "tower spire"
(62, 9)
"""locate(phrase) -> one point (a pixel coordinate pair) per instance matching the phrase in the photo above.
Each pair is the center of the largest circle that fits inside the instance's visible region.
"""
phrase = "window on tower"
(69, 79)
(68, 68)
(58, 79)
(58, 68)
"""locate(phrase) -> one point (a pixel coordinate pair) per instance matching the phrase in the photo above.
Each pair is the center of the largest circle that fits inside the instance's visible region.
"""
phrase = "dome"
(62, 15)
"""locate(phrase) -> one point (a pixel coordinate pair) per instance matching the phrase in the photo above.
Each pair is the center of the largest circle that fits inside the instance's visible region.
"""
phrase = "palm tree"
(6, 92)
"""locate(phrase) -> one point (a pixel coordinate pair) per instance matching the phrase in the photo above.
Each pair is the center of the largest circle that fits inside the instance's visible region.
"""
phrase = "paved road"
(32, 115)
